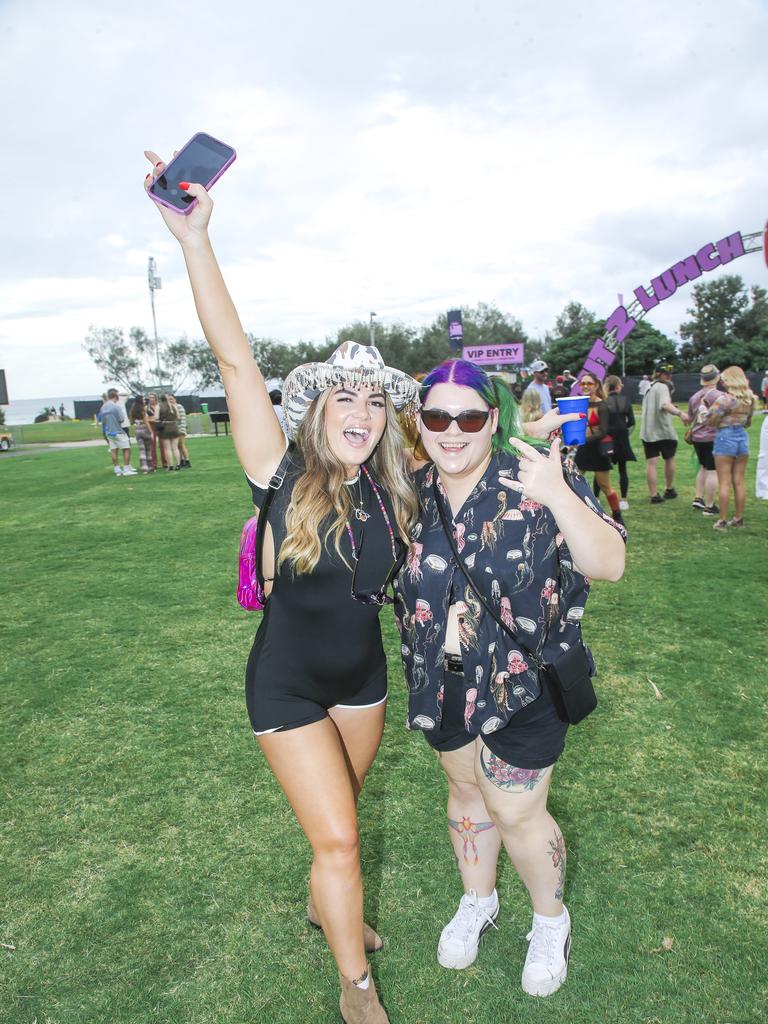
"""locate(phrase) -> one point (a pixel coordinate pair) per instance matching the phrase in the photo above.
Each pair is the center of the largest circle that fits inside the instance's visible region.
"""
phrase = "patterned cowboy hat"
(352, 364)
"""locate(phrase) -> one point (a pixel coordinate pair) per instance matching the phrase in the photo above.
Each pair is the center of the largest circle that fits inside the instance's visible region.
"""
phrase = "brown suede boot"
(361, 1005)
(373, 942)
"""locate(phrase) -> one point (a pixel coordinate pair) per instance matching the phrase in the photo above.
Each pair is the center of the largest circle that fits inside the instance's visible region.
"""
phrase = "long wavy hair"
(320, 499)
(735, 382)
(493, 391)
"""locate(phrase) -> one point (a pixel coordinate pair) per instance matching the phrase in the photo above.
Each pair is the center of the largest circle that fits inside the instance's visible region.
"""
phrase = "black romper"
(317, 647)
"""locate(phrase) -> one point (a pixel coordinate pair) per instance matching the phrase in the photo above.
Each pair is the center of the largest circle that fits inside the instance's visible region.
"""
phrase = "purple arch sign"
(624, 319)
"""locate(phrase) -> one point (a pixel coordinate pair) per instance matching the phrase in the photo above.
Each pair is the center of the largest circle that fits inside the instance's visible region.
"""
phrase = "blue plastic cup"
(575, 431)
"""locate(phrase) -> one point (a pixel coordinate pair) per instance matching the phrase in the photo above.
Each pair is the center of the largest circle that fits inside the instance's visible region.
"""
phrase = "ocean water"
(24, 410)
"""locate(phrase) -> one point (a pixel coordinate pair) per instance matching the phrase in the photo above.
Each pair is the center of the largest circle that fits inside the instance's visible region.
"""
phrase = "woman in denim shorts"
(731, 414)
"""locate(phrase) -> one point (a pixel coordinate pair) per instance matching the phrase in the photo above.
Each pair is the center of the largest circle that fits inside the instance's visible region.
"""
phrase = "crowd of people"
(717, 417)
(157, 423)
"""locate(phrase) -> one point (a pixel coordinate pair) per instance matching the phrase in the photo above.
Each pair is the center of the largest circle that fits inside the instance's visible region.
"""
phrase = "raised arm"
(258, 438)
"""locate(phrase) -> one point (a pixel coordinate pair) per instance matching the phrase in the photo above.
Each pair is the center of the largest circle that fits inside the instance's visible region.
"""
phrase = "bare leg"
(739, 486)
(311, 766)
(650, 476)
(517, 801)
(475, 839)
(724, 467)
(700, 484)
(710, 487)
(669, 472)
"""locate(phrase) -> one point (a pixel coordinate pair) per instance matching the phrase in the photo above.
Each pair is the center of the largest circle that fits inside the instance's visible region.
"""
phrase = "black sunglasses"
(469, 421)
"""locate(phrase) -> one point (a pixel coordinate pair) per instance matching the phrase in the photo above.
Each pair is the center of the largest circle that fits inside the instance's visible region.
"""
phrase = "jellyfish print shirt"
(519, 560)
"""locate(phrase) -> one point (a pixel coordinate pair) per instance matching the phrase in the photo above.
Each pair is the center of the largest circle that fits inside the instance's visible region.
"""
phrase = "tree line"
(728, 325)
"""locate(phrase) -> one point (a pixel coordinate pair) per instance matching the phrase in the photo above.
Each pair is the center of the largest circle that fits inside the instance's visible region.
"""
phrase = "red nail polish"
(582, 415)
(184, 185)
(159, 163)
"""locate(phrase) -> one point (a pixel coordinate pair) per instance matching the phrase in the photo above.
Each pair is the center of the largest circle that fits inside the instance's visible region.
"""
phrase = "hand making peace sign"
(539, 475)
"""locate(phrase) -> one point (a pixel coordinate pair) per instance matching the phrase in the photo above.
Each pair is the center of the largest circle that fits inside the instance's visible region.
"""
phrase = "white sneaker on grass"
(118, 471)
(129, 471)
(546, 964)
(460, 938)
(624, 505)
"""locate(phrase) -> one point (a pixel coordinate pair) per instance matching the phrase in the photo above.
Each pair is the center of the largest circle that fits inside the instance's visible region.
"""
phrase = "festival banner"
(503, 355)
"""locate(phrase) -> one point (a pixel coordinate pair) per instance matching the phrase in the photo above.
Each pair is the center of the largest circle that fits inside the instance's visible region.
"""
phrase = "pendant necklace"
(360, 514)
(364, 516)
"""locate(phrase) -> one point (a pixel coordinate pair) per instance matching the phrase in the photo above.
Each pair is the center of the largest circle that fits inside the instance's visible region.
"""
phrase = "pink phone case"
(206, 185)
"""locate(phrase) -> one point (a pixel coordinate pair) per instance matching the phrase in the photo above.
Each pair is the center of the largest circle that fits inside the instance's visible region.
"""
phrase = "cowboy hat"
(352, 364)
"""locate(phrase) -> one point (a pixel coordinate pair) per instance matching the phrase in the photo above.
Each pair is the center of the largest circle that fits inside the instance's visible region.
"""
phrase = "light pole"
(372, 328)
(155, 283)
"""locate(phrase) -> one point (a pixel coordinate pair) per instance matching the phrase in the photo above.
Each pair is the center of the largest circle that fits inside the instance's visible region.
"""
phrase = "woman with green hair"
(497, 568)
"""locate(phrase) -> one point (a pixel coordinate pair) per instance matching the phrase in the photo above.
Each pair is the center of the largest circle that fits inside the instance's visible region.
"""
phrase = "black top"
(514, 551)
(318, 635)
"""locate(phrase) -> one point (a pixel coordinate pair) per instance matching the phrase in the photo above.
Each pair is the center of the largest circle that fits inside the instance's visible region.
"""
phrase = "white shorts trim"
(361, 707)
(265, 731)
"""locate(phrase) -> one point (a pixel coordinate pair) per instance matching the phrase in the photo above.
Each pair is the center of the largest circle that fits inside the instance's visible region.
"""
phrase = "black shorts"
(534, 737)
(704, 453)
(665, 448)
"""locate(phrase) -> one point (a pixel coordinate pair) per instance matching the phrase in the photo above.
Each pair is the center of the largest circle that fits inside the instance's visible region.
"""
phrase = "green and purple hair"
(493, 391)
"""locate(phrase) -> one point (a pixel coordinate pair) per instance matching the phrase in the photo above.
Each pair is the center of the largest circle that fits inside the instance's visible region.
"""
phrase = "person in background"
(621, 420)
(184, 462)
(111, 417)
(169, 432)
(137, 415)
(594, 456)
(153, 415)
(764, 389)
(761, 478)
(658, 434)
(540, 372)
(559, 388)
(703, 437)
(530, 406)
(568, 380)
(642, 387)
(61, 411)
(276, 398)
(731, 414)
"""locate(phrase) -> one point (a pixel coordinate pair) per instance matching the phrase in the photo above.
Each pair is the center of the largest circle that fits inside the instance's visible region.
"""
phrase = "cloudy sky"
(405, 157)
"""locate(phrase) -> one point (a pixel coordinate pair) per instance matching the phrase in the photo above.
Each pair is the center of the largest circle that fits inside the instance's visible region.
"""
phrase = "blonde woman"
(316, 681)
(731, 414)
(530, 406)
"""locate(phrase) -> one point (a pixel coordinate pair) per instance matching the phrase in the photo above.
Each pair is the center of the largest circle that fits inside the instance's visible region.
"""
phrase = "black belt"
(453, 663)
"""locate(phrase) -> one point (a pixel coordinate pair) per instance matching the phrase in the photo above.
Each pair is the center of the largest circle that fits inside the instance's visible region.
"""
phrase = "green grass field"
(151, 868)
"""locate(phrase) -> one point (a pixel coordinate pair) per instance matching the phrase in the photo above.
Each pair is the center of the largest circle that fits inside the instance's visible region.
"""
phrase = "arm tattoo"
(557, 853)
(469, 830)
(506, 776)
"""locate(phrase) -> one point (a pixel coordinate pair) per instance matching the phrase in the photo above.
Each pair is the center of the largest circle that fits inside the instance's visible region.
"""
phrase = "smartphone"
(203, 160)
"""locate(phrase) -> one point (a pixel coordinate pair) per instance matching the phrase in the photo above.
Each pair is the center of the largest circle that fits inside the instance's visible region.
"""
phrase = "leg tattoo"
(557, 853)
(506, 776)
(469, 830)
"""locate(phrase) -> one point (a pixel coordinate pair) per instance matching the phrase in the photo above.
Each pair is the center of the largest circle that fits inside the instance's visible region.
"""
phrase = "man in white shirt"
(642, 387)
(658, 433)
(539, 383)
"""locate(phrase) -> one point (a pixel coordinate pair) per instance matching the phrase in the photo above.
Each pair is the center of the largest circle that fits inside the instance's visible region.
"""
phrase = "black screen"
(200, 161)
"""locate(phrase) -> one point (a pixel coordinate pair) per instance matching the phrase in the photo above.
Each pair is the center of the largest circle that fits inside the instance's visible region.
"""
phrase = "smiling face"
(456, 453)
(355, 419)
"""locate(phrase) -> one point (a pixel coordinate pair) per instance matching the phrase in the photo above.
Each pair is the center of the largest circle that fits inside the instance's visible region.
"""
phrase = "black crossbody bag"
(570, 676)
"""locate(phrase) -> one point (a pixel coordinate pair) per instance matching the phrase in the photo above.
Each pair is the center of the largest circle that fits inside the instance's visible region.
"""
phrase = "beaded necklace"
(375, 490)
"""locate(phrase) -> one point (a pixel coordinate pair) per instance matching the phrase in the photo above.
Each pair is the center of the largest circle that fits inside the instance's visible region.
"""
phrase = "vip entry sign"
(510, 354)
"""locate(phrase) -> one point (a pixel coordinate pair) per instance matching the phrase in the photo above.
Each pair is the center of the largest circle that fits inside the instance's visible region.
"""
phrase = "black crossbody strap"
(275, 483)
(486, 604)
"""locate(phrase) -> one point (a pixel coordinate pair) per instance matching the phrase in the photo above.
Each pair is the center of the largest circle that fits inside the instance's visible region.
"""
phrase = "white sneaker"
(129, 471)
(461, 936)
(546, 964)
(624, 505)
(118, 471)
